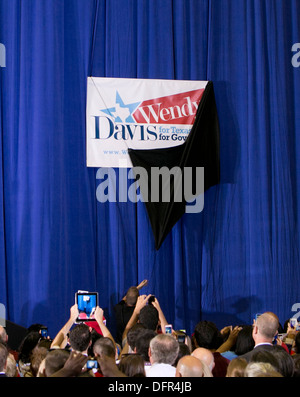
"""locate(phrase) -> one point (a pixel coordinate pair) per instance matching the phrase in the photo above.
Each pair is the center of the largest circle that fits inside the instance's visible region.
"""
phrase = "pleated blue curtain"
(240, 255)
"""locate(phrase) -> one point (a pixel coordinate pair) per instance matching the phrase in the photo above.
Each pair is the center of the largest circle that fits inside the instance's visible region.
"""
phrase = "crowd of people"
(143, 347)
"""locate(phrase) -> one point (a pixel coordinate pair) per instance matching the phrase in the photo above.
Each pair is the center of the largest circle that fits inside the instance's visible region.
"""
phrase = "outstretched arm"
(99, 318)
(141, 302)
(60, 339)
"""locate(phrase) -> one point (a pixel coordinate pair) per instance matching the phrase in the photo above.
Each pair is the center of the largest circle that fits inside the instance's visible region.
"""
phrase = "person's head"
(244, 341)
(3, 335)
(27, 345)
(37, 356)
(265, 356)
(206, 334)
(296, 359)
(149, 317)
(131, 296)
(3, 357)
(184, 350)
(143, 342)
(189, 366)
(80, 338)
(297, 343)
(132, 365)
(260, 369)
(54, 361)
(11, 367)
(163, 349)
(104, 347)
(285, 361)
(133, 333)
(205, 355)
(236, 368)
(265, 328)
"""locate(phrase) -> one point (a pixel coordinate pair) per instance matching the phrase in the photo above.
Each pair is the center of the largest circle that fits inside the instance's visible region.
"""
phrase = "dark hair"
(265, 356)
(149, 317)
(105, 346)
(80, 337)
(207, 335)
(132, 365)
(244, 341)
(296, 359)
(133, 333)
(285, 361)
(27, 345)
(297, 343)
(143, 342)
(184, 350)
(55, 360)
(131, 296)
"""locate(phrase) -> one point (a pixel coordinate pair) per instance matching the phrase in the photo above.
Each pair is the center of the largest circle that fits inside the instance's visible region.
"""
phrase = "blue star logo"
(121, 113)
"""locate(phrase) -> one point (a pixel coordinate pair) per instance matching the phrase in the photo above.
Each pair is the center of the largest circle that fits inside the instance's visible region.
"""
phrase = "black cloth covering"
(201, 149)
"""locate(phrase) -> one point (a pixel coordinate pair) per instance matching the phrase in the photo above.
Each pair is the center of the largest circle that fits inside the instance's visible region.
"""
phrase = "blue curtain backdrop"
(241, 254)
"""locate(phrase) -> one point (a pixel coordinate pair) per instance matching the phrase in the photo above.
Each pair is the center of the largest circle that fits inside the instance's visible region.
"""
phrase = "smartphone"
(168, 329)
(181, 338)
(91, 364)
(44, 332)
(151, 300)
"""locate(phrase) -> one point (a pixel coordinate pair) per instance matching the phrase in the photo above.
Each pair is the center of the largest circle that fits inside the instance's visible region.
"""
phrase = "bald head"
(189, 366)
(266, 327)
(205, 356)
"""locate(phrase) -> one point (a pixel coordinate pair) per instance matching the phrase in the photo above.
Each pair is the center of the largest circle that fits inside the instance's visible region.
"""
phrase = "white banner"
(137, 114)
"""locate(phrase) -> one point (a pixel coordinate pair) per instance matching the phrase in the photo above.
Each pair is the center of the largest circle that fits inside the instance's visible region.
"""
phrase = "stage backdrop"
(240, 255)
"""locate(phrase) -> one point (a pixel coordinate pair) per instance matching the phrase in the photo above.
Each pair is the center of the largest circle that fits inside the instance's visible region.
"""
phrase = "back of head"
(189, 366)
(261, 369)
(296, 359)
(244, 341)
(207, 335)
(131, 296)
(3, 356)
(27, 345)
(264, 356)
(55, 360)
(80, 337)
(267, 324)
(143, 342)
(286, 365)
(204, 355)
(104, 347)
(133, 334)
(236, 368)
(149, 317)
(164, 349)
(132, 365)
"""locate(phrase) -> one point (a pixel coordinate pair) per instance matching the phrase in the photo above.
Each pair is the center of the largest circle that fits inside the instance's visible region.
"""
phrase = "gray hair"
(164, 349)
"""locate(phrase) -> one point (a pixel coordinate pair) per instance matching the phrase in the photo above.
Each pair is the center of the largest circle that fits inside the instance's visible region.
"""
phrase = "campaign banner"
(124, 114)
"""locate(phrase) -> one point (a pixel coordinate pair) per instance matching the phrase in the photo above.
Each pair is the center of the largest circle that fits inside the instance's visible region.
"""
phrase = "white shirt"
(160, 370)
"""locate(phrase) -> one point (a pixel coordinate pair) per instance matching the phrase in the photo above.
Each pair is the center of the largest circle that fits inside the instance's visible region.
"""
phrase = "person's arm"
(99, 318)
(229, 343)
(162, 318)
(59, 340)
(141, 302)
(139, 287)
(109, 367)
